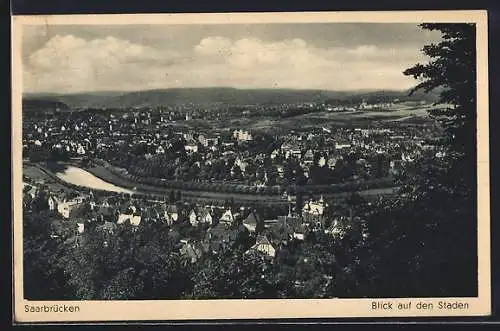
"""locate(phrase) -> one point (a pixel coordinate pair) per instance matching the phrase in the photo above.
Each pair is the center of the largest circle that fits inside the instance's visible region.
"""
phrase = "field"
(416, 115)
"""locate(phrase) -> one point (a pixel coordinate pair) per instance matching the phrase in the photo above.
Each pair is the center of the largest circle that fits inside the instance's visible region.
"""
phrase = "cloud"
(71, 63)
(67, 63)
(295, 63)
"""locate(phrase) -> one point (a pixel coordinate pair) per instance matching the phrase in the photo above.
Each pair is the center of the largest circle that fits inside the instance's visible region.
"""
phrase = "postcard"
(203, 167)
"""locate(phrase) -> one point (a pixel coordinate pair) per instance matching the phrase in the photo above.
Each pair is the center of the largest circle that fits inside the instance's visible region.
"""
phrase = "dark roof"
(301, 229)
(172, 209)
(252, 218)
(262, 240)
(202, 212)
(291, 221)
(282, 230)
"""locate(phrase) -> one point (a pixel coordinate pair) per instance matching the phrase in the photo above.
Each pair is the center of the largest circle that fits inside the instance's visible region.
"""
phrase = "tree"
(424, 242)
(234, 274)
(178, 195)
(44, 278)
(453, 69)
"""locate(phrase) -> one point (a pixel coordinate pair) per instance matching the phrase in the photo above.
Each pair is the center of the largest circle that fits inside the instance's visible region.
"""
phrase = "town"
(158, 148)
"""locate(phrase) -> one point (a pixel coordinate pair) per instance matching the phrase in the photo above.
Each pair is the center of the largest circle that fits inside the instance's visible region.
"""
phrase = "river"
(77, 176)
(80, 177)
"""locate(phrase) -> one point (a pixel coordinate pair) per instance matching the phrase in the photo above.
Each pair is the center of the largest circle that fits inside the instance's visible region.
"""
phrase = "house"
(227, 217)
(269, 223)
(274, 154)
(286, 147)
(191, 148)
(252, 222)
(133, 218)
(52, 202)
(193, 218)
(203, 140)
(300, 232)
(263, 245)
(160, 150)
(241, 164)
(204, 216)
(241, 135)
(314, 208)
(308, 155)
(282, 231)
(68, 208)
(171, 214)
(200, 216)
(221, 237)
(332, 161)
(80, 227)
(80, 150)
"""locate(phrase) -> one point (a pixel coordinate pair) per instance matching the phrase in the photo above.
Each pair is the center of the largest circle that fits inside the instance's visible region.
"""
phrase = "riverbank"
(99, 178)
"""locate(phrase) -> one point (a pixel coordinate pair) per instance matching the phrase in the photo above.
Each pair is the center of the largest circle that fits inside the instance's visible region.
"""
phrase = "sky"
(327, 56)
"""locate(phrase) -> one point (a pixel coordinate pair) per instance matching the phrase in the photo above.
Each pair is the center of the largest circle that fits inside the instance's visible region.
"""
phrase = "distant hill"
(231, 96)
(41, 104)
(387, 96)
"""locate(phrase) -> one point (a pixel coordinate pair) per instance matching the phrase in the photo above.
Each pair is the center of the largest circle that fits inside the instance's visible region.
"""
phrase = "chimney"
(350, 215)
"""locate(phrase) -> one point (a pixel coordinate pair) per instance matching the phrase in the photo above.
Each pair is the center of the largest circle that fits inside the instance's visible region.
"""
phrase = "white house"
(65, 208)
(263, 245)
(227, 216)
(52, 202)
(241, 135)
(81, 227)
(315, 208)
(200, 216)
(193, 218)
(135, 220)
(160, 150)
(192, 148)
(80, 150)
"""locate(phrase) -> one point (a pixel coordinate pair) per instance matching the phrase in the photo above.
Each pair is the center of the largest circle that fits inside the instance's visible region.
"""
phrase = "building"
(313, 211)
(263, 245)
(130, 215)
(200, 216)
(227, 217)
(170, 214)
(160, 150)
(315, 207)
(191, 148)
(241, 135)
(69, 208)
(252, 222)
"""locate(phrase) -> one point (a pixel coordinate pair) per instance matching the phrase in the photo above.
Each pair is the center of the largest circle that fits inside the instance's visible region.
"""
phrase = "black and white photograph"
(251, 161)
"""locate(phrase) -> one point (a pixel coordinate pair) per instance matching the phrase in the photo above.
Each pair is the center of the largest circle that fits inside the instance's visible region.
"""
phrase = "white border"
(254, 309)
